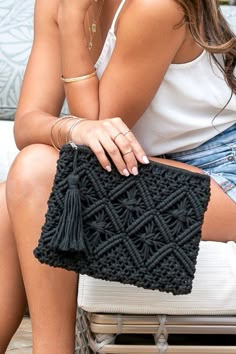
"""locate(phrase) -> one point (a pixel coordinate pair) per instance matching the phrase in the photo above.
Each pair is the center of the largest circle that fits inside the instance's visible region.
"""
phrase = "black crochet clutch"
(142, 230)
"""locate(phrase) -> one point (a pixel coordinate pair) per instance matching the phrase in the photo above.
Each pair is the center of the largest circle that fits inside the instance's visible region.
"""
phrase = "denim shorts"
(217, 158)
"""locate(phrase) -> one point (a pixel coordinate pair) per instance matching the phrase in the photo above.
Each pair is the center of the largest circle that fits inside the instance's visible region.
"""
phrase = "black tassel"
(69, 236)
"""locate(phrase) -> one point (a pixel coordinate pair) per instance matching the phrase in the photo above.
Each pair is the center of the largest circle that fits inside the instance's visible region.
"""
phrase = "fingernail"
(135, 171)
(108, 168)
(145, 159)
(125, 172)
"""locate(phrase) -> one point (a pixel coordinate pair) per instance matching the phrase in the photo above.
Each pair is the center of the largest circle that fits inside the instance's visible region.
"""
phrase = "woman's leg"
(51, 292)
(12, 293)
(220, 217)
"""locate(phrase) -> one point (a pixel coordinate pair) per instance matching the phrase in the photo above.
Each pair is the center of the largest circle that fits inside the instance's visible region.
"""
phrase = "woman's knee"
(4, 217)
(2, 192)
(32, 172)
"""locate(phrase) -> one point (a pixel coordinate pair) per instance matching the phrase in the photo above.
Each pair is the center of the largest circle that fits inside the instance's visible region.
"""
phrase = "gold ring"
(127, 132)
(117, 135)
(128, 152)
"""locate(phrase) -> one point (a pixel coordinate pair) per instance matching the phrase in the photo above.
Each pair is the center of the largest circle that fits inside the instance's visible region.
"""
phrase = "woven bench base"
(118, 349)
(96, 333)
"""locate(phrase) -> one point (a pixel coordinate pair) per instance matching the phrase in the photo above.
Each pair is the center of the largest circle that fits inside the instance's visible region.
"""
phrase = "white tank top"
(180, 116)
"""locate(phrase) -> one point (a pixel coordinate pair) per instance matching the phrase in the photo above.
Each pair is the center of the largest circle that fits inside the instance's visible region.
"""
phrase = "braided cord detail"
(143, 230)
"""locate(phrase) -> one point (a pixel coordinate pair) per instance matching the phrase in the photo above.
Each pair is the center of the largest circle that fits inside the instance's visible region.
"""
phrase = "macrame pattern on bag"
(143, 230)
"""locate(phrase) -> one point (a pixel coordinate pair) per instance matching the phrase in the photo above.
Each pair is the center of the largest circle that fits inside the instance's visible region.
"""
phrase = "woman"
(153, 70)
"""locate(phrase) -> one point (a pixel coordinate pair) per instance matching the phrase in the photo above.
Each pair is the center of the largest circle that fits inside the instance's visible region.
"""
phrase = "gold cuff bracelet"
(68, 80)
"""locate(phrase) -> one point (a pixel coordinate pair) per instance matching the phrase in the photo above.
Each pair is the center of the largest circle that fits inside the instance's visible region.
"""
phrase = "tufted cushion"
(16, 33)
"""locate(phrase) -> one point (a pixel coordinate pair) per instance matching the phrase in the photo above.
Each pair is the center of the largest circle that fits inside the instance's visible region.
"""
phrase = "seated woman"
(164, 86)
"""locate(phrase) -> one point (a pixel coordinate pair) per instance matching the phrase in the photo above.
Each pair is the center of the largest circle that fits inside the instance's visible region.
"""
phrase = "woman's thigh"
(32, 172)
(28, 187)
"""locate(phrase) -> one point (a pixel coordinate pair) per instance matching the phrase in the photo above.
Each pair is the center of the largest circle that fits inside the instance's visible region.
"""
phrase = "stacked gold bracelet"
(69, 135)
(63, 120)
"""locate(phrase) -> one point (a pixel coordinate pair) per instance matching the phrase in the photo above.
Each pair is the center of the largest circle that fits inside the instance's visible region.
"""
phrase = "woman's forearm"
(82, 96)
(35, 128)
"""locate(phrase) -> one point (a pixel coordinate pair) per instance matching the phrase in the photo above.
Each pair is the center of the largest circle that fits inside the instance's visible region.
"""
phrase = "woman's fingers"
(113, 137)
(127, 153)
(118, 147)
(116, 155)
(99, 137)
(98, 150)
(136, 147)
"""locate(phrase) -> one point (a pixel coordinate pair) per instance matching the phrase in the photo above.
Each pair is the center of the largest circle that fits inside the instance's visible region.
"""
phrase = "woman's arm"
(42, 96)
(146, 45)
(147, 42)
(82, 96)
(42, 92)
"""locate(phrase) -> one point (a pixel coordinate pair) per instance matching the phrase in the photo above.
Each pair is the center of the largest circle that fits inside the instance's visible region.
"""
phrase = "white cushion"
(214, 289)
(8, 149)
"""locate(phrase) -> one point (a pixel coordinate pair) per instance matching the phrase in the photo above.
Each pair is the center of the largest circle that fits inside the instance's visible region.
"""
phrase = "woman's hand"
(114, 137)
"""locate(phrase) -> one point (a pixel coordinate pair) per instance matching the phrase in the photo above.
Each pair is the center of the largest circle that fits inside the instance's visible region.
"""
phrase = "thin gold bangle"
(60, 128)
(68, 80)
(69, 137)
(53, 126)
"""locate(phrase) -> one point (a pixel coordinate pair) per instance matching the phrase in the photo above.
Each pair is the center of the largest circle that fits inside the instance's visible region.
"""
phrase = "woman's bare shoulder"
(163, 13)
(153, 25)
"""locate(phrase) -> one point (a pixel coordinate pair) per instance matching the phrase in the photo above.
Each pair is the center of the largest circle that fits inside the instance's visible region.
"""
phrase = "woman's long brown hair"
(216, 36)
